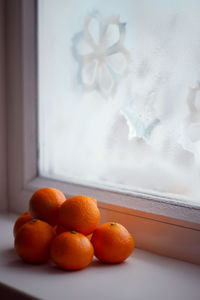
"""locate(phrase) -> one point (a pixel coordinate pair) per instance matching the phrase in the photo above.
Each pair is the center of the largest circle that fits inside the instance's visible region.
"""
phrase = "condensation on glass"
(119, 94)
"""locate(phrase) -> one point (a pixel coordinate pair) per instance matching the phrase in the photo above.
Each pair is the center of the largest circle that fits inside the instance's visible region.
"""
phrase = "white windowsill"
(143, 276)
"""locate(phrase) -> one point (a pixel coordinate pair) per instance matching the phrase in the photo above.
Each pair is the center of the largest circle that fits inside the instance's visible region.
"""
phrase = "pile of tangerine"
(67, 231)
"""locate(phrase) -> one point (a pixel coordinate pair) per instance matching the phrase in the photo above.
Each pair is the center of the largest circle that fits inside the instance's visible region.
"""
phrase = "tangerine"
(32, 241)
(71, 250)
(112, 243)
(45, 204)
(79, 213)
(60, 229)
(21, 220)
(89, 236)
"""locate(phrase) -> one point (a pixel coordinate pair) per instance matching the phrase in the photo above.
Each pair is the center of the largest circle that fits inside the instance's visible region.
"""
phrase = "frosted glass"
(119, 94)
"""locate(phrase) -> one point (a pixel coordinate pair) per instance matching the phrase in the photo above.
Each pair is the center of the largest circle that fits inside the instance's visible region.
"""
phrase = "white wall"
(3, 173)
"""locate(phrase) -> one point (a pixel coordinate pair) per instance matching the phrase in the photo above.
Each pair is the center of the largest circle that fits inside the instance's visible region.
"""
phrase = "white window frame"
(160, 225)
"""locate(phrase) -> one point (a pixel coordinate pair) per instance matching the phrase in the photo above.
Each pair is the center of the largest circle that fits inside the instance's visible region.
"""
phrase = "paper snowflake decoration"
(140, 119)
(99, 50)
(190, 138)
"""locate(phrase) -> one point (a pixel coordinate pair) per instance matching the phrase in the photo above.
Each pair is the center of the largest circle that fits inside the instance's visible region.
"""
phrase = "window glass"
(119, 94)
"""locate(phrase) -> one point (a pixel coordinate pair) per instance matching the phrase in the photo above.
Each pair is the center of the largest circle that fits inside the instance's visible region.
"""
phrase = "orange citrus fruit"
(33, 240)
(60, 229)
(79, 213)
(112, 243)
(71, 250)
(89, 236)
(45, 204)
(93, 199)
(21, 220)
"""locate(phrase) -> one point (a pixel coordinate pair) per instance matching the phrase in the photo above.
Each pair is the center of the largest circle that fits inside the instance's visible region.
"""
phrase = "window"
(119, 95)
(154, 217)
